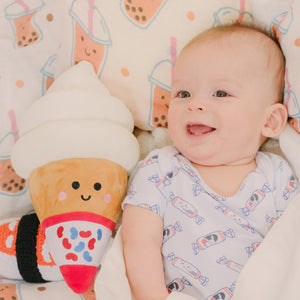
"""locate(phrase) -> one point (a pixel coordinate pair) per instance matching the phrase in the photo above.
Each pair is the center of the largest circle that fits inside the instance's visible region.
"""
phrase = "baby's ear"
(276, 119)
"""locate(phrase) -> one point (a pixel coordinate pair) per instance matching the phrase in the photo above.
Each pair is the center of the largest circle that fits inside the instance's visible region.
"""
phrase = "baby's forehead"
(259, 43)
(237, 36)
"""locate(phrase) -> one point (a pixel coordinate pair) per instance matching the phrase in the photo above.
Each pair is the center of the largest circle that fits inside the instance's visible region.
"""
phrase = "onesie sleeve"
(142, 187)
(285, 183)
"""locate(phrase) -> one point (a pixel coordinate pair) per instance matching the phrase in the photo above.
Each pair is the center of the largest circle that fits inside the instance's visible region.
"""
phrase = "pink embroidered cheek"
(107, 198)
(62, 196)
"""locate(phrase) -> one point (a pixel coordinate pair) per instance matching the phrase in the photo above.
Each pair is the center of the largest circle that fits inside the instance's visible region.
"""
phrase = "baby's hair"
(275, 61)
(233, 27)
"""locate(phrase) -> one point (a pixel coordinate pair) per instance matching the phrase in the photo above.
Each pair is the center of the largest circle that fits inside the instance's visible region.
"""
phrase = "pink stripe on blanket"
(13, 122)
(23, 4)
(173, 50)
(91, 16)
(242, 10)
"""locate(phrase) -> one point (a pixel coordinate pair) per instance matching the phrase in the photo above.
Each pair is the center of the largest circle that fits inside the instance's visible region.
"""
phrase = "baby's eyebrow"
(179, 82)
(231, 81)
(175, 81)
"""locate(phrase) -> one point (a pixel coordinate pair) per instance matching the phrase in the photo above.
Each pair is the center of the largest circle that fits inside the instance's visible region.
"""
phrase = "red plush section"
(78, 216)
(79, 277)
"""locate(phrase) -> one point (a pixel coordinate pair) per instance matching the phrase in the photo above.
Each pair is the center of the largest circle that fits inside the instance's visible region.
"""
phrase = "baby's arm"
(142, 233)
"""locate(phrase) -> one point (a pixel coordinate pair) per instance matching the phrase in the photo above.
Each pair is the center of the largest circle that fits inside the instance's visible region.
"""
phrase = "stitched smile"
(86, 199)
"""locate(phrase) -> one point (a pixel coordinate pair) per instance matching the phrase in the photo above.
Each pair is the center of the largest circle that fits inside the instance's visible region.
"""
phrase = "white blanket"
(273, 272)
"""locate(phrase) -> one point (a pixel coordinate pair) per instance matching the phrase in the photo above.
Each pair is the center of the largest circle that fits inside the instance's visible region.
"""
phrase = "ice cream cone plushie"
(76, 148)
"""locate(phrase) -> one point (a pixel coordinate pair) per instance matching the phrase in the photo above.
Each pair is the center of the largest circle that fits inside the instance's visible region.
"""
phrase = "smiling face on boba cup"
(91, 37)
(87, 49)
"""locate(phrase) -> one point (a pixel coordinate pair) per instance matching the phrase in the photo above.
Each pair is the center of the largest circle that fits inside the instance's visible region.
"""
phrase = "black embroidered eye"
(97, 186)
(75, 185)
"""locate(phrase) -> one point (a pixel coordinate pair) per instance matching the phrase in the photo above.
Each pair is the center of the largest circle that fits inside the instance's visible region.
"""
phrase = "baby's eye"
(183, 94)
(220, 94)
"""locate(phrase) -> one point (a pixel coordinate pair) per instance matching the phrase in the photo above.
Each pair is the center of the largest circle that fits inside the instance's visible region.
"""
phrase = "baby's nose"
(195, 104)
(195, 108)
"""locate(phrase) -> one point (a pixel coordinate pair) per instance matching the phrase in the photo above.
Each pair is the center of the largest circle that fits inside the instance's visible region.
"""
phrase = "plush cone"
(76, 148)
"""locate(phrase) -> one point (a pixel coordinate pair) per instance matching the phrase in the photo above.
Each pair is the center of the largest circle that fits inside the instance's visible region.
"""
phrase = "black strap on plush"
(26, 249)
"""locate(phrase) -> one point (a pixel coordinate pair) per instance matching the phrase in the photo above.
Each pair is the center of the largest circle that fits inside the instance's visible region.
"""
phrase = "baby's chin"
(214, 160)
(201, 159)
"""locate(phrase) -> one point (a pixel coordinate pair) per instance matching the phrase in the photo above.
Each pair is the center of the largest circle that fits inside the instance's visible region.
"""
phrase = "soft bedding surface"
(133, 47)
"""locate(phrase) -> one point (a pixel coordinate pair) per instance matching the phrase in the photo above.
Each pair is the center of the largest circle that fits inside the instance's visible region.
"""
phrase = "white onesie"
(208, 238)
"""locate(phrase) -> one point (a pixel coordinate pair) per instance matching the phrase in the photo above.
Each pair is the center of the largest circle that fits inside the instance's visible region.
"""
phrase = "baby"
(196, 211)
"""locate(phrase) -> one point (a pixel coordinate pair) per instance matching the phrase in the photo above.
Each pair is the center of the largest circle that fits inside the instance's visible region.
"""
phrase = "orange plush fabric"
(78, 184)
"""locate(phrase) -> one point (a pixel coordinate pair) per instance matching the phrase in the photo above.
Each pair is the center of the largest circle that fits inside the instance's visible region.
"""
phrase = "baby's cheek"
(62, 196)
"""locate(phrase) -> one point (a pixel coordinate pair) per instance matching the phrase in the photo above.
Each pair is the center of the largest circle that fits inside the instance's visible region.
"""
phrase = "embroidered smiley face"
(76, 185)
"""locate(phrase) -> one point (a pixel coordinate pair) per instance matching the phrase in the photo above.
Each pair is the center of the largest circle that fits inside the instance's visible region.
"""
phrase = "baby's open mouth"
(199, 129)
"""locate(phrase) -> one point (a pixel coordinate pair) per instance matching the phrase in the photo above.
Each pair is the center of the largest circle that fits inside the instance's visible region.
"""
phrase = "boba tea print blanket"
(133, 46)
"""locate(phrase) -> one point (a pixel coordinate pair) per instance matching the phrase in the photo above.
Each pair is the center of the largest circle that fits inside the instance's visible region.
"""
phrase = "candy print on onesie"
(197, 251)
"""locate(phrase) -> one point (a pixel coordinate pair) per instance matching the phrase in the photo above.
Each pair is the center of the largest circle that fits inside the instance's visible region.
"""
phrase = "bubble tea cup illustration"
(48, 71)
(227, 15)
(11, 184)
(91, 38)
(160, 79)
(21, 14)
(141, 13)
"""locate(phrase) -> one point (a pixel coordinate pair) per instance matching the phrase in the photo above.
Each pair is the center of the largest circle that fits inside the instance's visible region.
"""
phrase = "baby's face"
(219, 100)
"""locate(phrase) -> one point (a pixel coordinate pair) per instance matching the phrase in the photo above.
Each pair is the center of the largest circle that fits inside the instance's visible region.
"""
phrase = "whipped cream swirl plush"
(76, 148)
